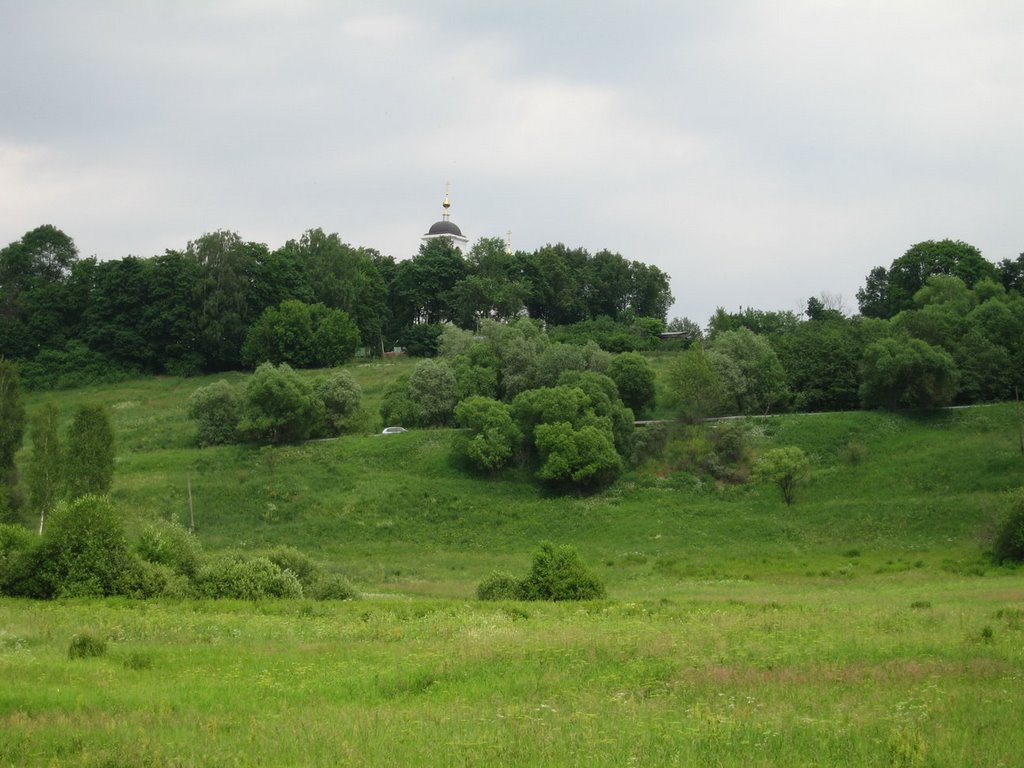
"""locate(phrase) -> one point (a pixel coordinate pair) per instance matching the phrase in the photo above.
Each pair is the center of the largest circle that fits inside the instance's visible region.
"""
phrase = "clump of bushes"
(332, 587)
(169, 544)
(276, 406)
(558, 573)
(1008, 543)
(214, 408)
(84, 552)
(246, 578)
(498, 586)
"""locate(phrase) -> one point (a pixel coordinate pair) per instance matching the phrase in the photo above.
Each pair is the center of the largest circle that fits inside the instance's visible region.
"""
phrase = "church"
(447, 228)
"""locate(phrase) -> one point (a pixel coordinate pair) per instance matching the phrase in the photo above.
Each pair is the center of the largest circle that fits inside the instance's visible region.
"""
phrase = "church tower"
(447, 228)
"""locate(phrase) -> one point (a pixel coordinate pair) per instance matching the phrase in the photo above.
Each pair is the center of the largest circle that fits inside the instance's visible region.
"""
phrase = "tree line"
(940, 326)
(223, 303)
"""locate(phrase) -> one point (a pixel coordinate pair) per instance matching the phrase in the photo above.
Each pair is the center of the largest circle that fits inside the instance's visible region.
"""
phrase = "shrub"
(15, 541)
(584, 457)
(333, 587)
(83, 552)
(158, 580)
(243, 578)
(86, 645)
(785, 467)
(278, 406)
(1008, 545)
(421, 340)
(74, 365)
(634, 377)
(168, 543)
(396, 408)
(432, 389)
(302, 565)
(214, 408)
(492, 436)
(559, 574)
(498, 586)
(853, 453)
(300, 334)
(648, 441)
(341, 396)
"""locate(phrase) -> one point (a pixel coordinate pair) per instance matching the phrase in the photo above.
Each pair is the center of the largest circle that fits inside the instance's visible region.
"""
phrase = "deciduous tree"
(788, 468)
(89, 454)
(43, 474)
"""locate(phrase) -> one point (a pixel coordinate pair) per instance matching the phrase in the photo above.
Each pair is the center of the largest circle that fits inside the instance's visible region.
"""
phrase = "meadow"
(864, 626)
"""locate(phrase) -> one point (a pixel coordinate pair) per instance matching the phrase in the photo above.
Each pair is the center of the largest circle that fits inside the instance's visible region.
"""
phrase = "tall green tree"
(650, 292)
(225, 300)
(634, 377)
(33, 274)
(424, 282)
(169, 319)
(693, 384)
(889, 291)
(114, 320)
(820, 358)
(752, 377)
(12, 417)
(432, 390)
(89, 453)
(903, 372)
(337, 275)
(43, 474)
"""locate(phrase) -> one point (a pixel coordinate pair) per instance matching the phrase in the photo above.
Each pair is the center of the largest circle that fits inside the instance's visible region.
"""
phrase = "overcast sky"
(758, 152)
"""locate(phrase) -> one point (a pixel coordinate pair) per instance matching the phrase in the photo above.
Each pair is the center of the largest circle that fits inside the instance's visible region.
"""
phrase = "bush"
(396, 408)
(214, 408)
(786, 467)
(432, 390)
(498, 586)
(1008, 545)
(634, 377)
(492, 436)
(278, 406)
(302, 335)
(83, 553)
(559, 574)
(243, 578)
(75, 365)
(168, 543)
(86, 645)
(421, 340)
(158, 580)
(302, 565)
(341, 396)
(333, 587)
(648, 441)
(15, 541)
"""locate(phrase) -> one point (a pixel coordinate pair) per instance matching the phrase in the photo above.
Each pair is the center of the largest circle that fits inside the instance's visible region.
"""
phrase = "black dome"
(444, 228)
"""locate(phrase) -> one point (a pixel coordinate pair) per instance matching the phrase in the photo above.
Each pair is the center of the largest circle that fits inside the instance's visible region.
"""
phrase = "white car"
(393, 430)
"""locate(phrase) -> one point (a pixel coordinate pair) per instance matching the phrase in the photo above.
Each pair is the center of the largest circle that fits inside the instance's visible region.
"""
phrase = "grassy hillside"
(860, 627)
(395, 514)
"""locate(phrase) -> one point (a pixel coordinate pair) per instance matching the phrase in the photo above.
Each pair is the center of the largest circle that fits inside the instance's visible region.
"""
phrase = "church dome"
(445, 227)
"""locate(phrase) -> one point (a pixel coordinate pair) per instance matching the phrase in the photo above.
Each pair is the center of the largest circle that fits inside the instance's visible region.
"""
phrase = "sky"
(760, 153)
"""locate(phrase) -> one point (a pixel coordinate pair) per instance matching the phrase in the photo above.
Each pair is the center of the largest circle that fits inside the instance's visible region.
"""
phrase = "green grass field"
(863, 626)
